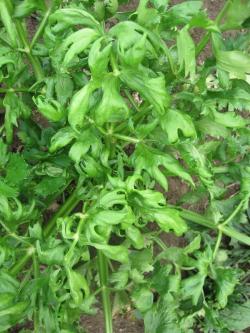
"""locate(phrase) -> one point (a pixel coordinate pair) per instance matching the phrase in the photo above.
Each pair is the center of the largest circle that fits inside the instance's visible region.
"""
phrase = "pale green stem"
(36, 310)
(126, 138)
(203, 42)
(15, 90)
(41, 27)
(234, 213)
(203, 221)
(104, 276)
(221, 225)
(33, 60)
(217, 245)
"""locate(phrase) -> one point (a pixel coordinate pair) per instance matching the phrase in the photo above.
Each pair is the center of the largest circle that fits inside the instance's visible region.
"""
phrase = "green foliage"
(110, 124)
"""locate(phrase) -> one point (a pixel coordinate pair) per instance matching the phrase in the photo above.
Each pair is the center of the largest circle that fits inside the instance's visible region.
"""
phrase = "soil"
(122, 324)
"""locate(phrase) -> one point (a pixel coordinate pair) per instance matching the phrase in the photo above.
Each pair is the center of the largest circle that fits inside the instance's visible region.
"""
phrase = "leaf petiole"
(104, 276)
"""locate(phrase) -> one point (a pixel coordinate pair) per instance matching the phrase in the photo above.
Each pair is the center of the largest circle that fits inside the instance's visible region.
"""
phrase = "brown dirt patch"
(122, 324)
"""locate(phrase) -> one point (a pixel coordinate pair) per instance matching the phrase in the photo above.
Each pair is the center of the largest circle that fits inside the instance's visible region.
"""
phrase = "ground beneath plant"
(122, 324)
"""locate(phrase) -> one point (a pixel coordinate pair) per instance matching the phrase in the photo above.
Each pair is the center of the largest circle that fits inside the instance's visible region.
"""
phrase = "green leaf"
(78, 42)
(174, 121)
(114, 252)
(35, 231)
(144, 130)
(112, 107)
(52, 110)
(236, 98)
(226, 279)
(4, 155)
(146, 199)
(142, 260)
(143, 299)
(159, 280)
(53, 256)
(7, 191)
(197, 162)
(193, 246)
(149, 159)
(133, 56)
(160, 3)
(64, 88)
(182, 13)
(169, 219)
(236, 63)
(66, 17)
(4, 60)
(135, 236)
(93, 168)
(78, 150)
(164, 317)
(14, 310)
(8, 24)
(192, 287)
(146, 16)
(186, 53)
(210, 127)
(79, 106)
(61, 139)
(202, 21)
(6, 300)
(99, 8)
(78, 285)
(120, 277)
(99, 224)
(236, 14)
(129, 34)
(229, 119)
(99, 57)
(26, 7)
(49, 185)
(17, 170)
(152, 89)
(8, 284)
(14, 109)
(112, 6)
(236, 316)
(87, 140)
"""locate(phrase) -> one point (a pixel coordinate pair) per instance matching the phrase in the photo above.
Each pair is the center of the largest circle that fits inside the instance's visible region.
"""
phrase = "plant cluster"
(99, 107)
